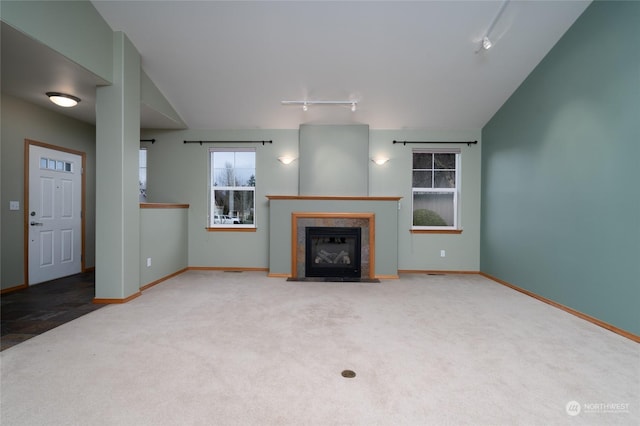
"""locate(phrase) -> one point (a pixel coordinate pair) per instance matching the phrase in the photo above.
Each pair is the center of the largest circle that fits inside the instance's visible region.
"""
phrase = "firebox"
(332, 252)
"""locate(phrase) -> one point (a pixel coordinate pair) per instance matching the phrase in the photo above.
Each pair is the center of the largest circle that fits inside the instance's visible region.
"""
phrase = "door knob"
(37, 223)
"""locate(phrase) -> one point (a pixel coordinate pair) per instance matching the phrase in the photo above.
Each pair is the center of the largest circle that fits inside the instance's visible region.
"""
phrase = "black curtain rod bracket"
(469, 143)
(148, 140)
(201, 142)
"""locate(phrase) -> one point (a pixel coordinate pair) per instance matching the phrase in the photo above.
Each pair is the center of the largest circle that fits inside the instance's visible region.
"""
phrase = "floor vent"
(349, 374)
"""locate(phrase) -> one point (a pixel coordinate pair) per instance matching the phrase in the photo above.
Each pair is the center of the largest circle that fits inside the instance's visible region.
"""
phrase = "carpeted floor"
(210, 348)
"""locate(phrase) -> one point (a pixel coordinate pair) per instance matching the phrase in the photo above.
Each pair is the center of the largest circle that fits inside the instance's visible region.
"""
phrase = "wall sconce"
(286, 159)
(63, 99)
(380, 160)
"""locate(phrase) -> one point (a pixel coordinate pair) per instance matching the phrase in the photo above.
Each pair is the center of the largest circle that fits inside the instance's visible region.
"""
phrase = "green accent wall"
(22, 120)
(560, 172)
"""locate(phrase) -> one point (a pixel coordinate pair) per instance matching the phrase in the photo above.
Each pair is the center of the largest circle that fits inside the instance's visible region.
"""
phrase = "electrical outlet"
(443, 253)
(148, 262)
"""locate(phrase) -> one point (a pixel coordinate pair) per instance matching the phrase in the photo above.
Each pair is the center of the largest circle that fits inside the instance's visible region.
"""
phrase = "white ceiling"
(229, 64)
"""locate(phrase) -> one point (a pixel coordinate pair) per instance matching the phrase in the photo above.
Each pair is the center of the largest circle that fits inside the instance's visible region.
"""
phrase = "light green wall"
(73, 28)
(334, 160)
(22, 120)
(422, 251)
(561, 206)
(163, 239)
(117, 145)
(178, 173)
(77, 31)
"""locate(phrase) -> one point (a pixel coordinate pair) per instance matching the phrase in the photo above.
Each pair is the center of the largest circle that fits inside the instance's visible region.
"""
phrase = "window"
(142, 176)
(435, 184)
(57, 165)
(233, 188)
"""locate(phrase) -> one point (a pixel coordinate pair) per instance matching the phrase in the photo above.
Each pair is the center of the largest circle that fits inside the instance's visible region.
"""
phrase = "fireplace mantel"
(285, 208)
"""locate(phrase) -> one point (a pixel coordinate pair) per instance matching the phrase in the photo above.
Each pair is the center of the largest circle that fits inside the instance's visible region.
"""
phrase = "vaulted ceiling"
(229, 64)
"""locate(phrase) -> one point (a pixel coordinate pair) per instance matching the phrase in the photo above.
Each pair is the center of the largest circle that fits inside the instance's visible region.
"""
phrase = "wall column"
(117, 151)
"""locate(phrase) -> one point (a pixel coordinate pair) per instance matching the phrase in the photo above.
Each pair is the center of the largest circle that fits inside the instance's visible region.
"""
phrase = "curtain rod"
(406, 142)
(148, 140)
(201, 142)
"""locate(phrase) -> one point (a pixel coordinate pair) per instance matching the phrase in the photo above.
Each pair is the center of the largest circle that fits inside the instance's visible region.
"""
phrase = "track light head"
(486, 43)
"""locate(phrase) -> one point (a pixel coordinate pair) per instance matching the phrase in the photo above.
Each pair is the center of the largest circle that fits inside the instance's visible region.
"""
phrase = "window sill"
(436, 231)
(231, 229)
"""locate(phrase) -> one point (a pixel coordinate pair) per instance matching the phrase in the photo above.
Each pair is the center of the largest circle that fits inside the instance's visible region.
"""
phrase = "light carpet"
(216, 348)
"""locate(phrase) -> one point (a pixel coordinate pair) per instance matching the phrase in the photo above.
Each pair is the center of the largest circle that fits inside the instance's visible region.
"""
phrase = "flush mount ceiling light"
(63, 99)
(305, 104)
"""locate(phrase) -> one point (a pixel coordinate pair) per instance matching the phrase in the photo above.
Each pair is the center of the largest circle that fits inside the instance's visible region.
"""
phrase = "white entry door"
(54, 214)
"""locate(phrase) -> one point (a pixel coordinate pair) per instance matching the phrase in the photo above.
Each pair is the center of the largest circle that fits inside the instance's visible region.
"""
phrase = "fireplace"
(333, 252)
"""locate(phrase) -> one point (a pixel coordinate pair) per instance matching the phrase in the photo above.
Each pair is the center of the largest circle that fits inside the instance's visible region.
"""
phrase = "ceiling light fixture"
(305, 104)
(486, 42)
(63, 99)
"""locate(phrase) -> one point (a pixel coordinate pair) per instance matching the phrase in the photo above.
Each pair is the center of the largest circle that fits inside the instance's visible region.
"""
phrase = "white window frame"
(211, 188)
(455, 191)
(142, 169)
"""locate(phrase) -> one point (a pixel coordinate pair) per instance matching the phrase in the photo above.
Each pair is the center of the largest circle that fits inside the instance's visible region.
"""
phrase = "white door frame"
(83, 155)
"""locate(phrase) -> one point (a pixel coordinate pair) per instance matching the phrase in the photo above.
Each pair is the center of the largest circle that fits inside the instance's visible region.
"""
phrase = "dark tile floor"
(39, 308)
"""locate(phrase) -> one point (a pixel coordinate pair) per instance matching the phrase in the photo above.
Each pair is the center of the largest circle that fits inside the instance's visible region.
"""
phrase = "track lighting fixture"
(63, 99)
(305, 104)
(486, 42)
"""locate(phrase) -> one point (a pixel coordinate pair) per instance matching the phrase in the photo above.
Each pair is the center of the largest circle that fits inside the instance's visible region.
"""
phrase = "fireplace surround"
(332, 251)
(377, 216)
(300, 221)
